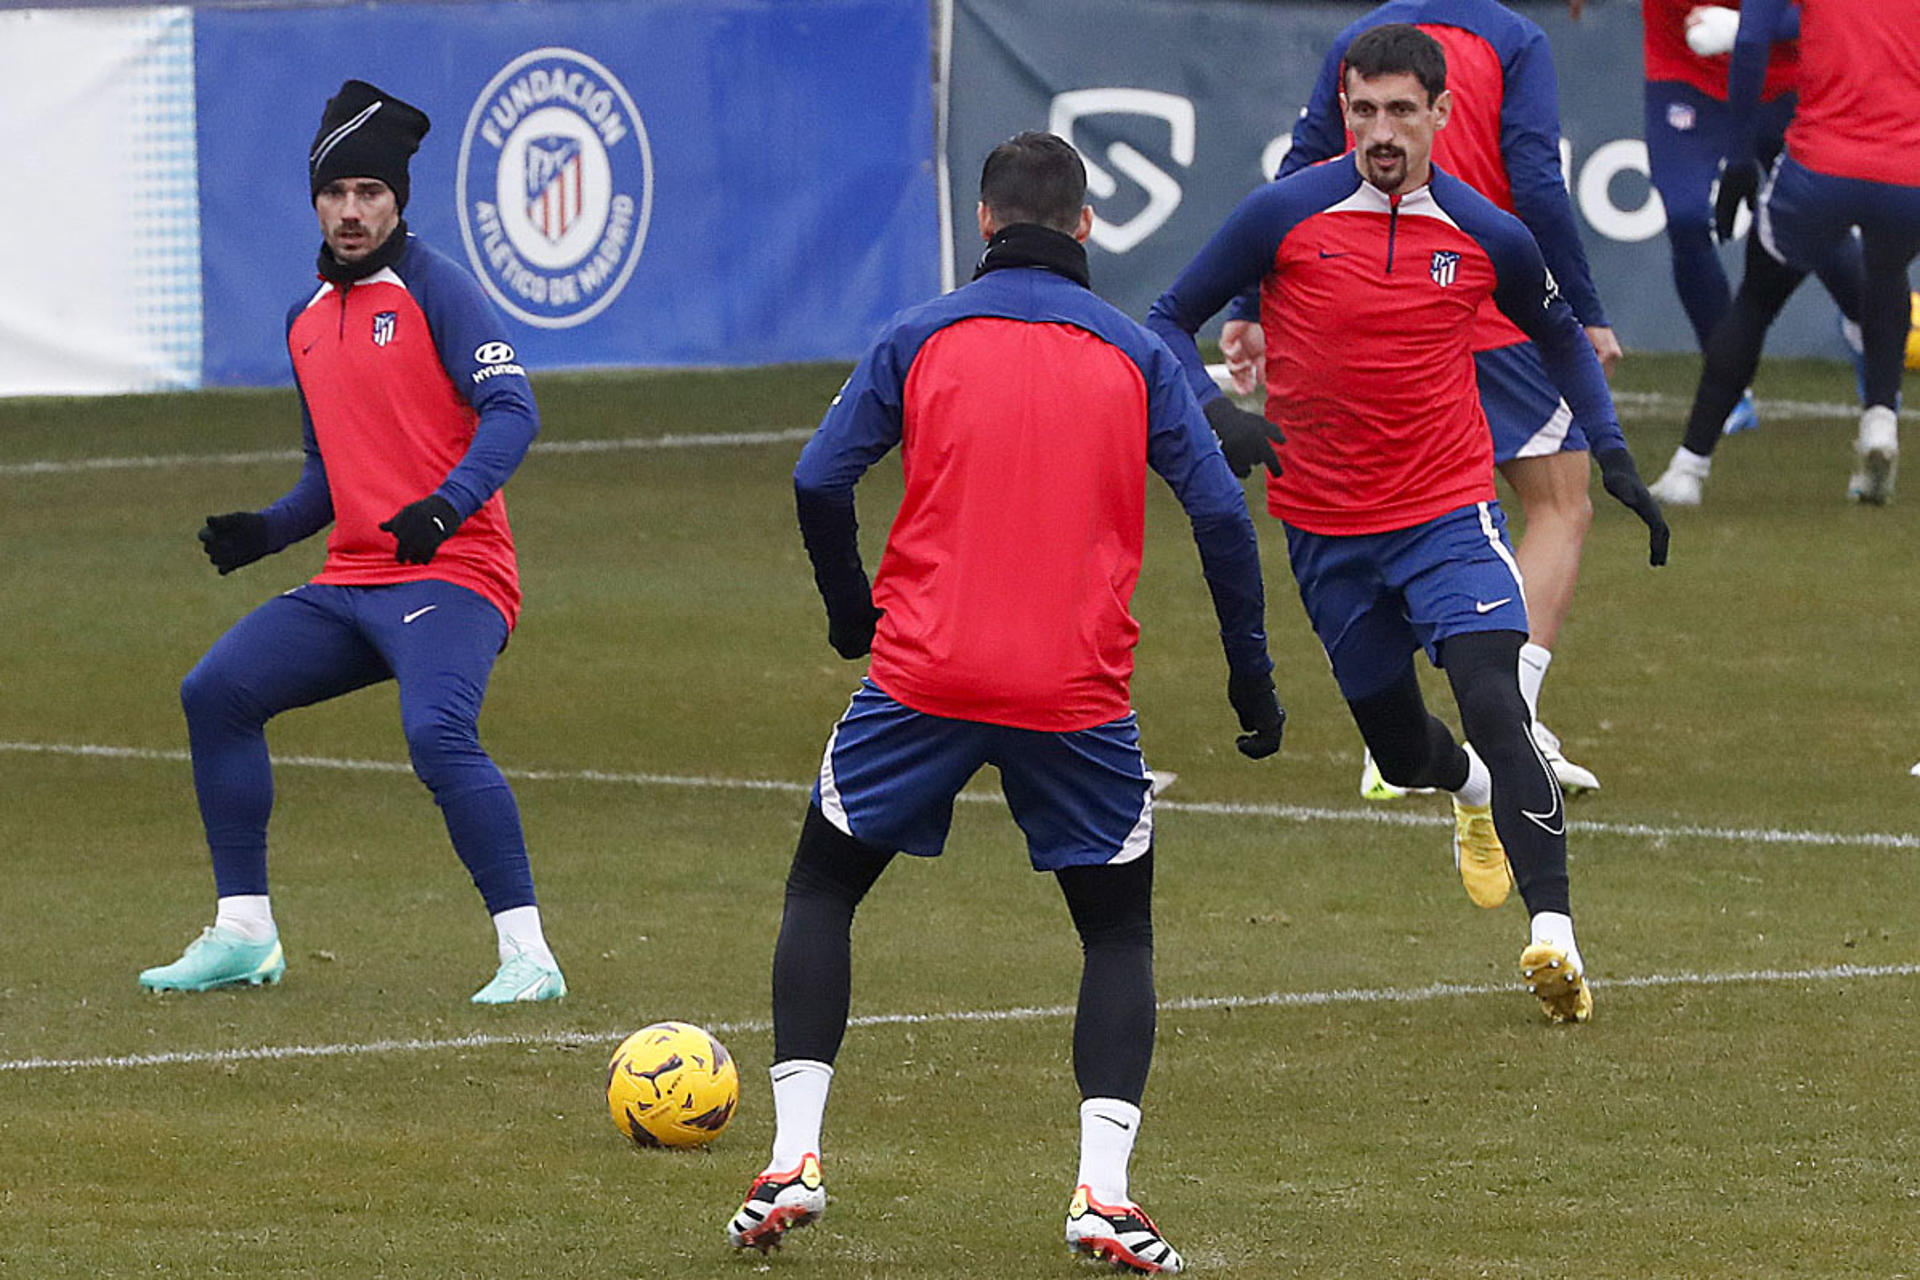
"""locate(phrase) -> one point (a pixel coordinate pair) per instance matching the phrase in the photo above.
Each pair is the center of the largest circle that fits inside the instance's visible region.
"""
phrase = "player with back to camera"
(1503, 139)
(415, 413)
(1028, 413)
(1372, 269)
(1688, 126)
(1849, 162)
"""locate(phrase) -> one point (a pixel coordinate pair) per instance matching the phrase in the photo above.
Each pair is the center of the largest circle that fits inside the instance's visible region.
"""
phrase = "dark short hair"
(1396, 48)
(1035, 177)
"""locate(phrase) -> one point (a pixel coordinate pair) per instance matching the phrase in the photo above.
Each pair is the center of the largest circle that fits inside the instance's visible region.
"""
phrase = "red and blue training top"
(1503, 138)
(1668, 57)
(1368, 304)
(1859, 109)
(408, 387)
(1027, 412)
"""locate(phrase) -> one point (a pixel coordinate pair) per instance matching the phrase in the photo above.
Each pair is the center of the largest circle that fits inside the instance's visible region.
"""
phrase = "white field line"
(1373, 814)
(1633, 402)
(167, 461)
(1192, 1004)
(1647, 403)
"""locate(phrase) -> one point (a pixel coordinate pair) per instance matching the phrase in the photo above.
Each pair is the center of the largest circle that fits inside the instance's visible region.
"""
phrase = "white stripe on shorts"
(1552, 434)
(1140, 839)
(1499, 546)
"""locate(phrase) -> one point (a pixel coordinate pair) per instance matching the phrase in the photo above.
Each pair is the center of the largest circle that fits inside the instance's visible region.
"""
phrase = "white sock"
(1534, 661)
(517, 929)
(247, 914)
(1108, 1127)
(1556, 930)
(799, 1105)
(1691, 463)
(1478, 788)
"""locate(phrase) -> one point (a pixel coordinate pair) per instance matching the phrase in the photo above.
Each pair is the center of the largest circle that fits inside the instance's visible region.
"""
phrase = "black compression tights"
(1111, 908)
(1413, 749)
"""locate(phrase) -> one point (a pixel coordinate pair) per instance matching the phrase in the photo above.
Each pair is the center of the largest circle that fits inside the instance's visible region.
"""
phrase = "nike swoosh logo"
(1554, 820)
(1341, 254)
(1488, 606)
(405, 618)
(1118, 1124)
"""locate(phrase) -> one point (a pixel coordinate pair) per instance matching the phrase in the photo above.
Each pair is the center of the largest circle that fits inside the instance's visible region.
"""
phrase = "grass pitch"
(1348, 1082)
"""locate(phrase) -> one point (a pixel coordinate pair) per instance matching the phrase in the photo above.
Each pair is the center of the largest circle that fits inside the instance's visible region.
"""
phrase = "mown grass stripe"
(167, 461)
(1372, 814)
(1191, 1004)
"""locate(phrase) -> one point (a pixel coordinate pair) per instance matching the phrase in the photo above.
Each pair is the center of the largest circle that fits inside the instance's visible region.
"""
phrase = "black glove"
(1622, 480)
(235, 539)
(420, 527)
(1739, 184)
(850, 625)
(1246, 438)
(1258, 707)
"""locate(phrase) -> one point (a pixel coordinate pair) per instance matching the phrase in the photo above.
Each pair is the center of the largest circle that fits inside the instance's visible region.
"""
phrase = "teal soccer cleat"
(219, 958)
(522, 979)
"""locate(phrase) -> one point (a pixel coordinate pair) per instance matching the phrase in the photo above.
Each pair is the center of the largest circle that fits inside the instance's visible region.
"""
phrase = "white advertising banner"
(103, 275)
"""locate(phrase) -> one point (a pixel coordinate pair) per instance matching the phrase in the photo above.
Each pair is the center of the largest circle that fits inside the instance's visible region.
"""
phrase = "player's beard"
(1385, 167)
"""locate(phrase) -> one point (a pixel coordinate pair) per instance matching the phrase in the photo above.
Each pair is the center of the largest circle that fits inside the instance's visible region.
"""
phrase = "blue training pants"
(437, 640)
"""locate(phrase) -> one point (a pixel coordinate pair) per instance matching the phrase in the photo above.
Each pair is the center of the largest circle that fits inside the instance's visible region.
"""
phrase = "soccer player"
(414, 415)
(1503, 139)
(1027, 412)
(1372, 270)
(1848, 162)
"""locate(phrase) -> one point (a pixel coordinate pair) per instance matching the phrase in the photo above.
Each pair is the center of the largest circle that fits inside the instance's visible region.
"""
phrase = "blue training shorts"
(1525, 411)
(1374, 598)
(1802, 212)
(890, 774)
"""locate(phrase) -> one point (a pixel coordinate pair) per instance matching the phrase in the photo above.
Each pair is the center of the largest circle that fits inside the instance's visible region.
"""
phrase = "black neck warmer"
(1028, 244)
(347, 273)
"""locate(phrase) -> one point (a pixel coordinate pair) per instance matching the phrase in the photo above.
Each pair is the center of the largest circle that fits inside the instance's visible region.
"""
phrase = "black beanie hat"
(365, 133)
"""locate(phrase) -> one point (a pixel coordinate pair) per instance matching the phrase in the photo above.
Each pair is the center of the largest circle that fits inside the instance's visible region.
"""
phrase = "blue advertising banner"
(681, 182)
(1181, 107)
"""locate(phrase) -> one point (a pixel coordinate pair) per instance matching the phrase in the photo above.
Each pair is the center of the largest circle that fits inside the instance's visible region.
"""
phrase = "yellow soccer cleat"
(1479, 855)
(1556, 981)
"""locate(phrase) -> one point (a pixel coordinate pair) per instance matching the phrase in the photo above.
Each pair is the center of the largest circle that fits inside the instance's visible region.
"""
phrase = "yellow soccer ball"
(672, 1085)
(1913, 336)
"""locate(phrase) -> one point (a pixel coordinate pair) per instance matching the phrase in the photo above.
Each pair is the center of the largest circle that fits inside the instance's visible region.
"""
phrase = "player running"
(1503, 139)
(1372, 271)
(1848, 162)
(1028, 413)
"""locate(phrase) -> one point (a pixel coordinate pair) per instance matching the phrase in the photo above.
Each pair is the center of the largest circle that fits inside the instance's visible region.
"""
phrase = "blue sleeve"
(1528, 295)
(307, 508)
(1237, 257)
(1183, 451)
(860, 426)
(1320, 134)
(1761, 23)
(1530, 148)
(472, 342)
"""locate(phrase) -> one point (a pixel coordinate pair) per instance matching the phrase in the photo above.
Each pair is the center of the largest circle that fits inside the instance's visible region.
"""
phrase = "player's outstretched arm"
(1247, 439)
(1622, 479)
(238, 538)
(1260, 712)
(235, 540)
(1181, 450)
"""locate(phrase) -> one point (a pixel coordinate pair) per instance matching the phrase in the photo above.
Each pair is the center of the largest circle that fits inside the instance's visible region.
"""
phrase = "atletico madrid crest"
(1446, 264)
(383, 327)
(554, 195)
